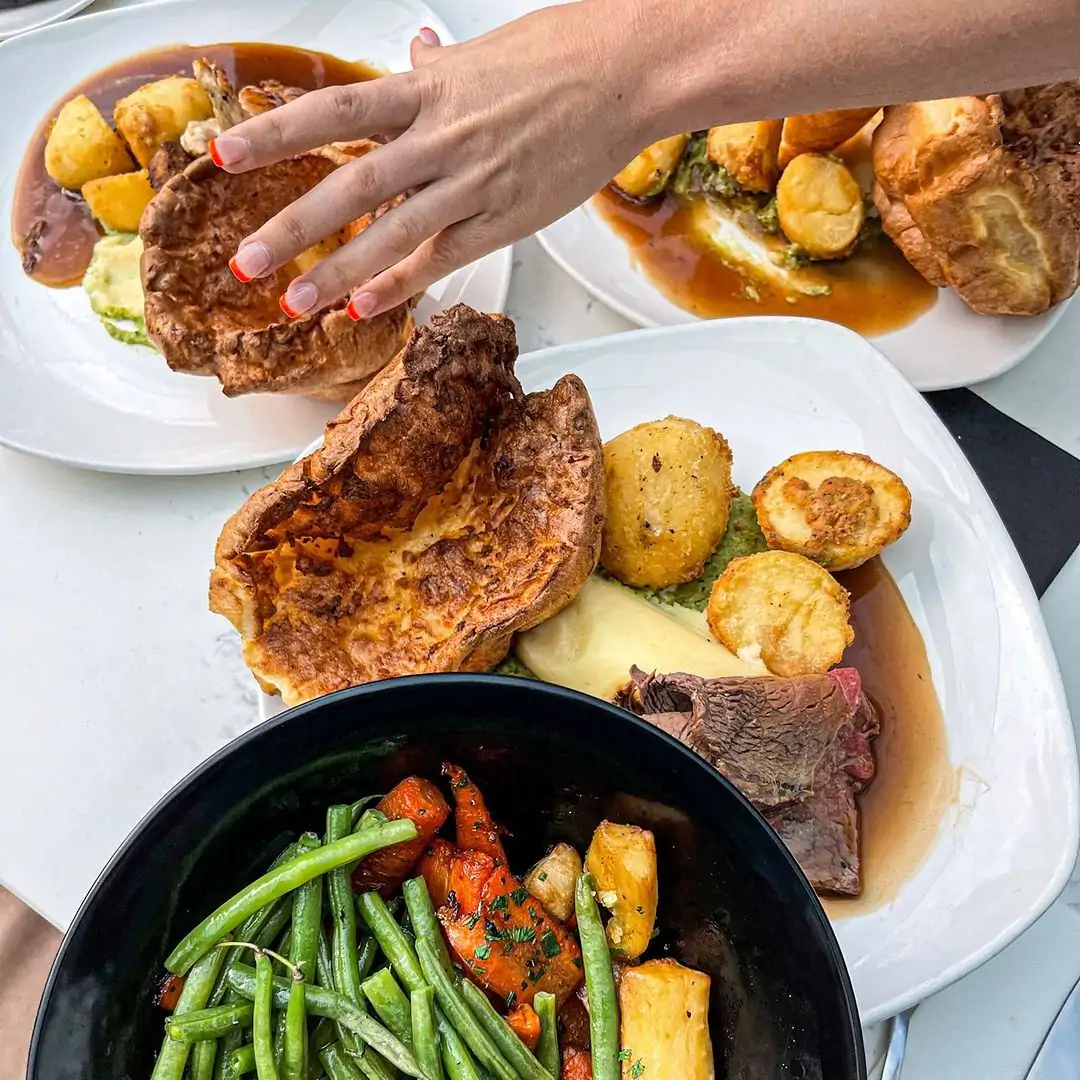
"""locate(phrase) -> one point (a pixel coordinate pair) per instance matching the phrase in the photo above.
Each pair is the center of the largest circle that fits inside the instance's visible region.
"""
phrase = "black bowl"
(552, 764)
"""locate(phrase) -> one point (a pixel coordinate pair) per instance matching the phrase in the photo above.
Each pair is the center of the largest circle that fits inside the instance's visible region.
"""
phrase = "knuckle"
(293, 231)
(404, 232)
(343, 106)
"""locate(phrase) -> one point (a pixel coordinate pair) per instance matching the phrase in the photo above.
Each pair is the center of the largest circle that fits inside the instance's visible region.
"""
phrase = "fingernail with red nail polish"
(361, 306)
(299, 297)
(428, 36)
(250, 261)
(228, 150)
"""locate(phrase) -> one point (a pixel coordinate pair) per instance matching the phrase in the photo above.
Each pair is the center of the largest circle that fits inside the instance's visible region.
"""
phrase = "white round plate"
(947, 346)
(1008, 841)
(21, 19)
(70, 392)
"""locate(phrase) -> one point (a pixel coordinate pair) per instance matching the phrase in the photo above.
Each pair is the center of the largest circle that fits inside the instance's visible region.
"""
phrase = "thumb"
(425, 47)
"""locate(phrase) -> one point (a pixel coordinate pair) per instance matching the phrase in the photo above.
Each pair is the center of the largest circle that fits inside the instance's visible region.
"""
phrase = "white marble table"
(103, 618)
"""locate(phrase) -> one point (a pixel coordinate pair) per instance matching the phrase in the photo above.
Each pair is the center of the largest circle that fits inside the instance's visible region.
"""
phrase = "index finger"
(333, 114)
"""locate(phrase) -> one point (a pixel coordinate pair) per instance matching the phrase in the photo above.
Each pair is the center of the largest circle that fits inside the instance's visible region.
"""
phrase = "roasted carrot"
(502, 937)
(168, 992)
(526, 1024)
(420, 802)
(576, 1065)
(435, 868)
(475, 828)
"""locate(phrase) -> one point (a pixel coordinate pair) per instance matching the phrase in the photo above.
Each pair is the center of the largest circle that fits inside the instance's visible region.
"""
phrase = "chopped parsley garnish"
(483, 952)
(637, 1069)
(500, 903)
(472, 920)
(549, 944)
(577, 961)
(624, 1055)
(479, 970)
(519, 896)
(523, 933)
(463, 782)
(510, 999)
(542, 875)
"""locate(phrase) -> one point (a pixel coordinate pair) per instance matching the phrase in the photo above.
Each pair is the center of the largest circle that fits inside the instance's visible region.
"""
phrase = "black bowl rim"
(525, 686)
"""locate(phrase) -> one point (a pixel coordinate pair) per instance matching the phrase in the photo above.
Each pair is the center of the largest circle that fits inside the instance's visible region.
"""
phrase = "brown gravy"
(70, 233)
(903, 808)
(873, 292)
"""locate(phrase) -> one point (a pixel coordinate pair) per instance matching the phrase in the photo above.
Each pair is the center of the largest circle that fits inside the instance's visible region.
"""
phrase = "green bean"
(240, 1061)
(336, 1007)
(503, 1035)
(343, 942)
(262, 1026)
(346, 1065)
(425, 923)
(373, 1066)
(425, 1039)
(390, 1004)
(324, 963)
(203, 1055)
(548, 1049)
(458, 1013)
(254, 928)
(294, 1056)
(369, 818)
(392, 940)
(209, 1023)
(337, 1065)
(366, 956)
(195, 993)
(284, 879)
(359, 807)
(455, 1054)
(307, 918)
(230, 1042)
(599, 982)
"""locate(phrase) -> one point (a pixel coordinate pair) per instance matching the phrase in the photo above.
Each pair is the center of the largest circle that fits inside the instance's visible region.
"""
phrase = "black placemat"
(1034, 484)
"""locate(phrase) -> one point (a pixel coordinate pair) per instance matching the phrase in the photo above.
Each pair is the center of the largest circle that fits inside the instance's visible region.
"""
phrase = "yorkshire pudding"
(205, 322)
(983, 194)
(445, 511)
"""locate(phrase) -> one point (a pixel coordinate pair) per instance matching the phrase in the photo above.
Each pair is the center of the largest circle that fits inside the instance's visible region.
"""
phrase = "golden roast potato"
(668, 495)
(82, 147)
(820, 206)
(664, 1022)
(819, 132)
(622, 861)
(647, 174)
(118, 201)
(748, 152)
(836, 508)
(783, 608)
(159, 112)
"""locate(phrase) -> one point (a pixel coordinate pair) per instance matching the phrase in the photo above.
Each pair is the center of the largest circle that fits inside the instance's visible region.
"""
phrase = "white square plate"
(1009, 840)
(70, 392)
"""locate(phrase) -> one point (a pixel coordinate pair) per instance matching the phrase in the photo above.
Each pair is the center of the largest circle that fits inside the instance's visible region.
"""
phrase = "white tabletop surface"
(103, 614)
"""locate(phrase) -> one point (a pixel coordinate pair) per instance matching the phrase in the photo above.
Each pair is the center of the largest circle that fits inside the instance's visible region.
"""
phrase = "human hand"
(498, 137)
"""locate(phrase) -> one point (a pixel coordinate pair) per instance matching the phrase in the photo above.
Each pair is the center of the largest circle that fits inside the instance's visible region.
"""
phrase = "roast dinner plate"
(963, 877)
(73, 394)
(946, 346)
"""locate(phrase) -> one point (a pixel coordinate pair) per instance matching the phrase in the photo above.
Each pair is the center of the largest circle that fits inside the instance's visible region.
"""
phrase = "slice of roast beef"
(798, 748)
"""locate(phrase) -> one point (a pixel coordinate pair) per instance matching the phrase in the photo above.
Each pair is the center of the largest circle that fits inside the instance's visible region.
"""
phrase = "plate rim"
(62, 14)
(1009, 564)
(547, 238)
